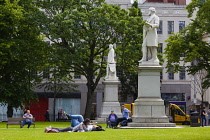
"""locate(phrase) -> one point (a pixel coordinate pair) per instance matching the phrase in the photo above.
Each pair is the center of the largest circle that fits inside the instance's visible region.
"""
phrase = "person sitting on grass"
(125, 115)
(112, 119)
(27, 119)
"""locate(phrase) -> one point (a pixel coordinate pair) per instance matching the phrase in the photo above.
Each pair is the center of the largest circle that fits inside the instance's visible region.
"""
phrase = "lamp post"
(195, 100)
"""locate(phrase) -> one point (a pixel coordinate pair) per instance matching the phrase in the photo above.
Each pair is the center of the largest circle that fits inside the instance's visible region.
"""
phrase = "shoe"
(67, 115)
(115, 127)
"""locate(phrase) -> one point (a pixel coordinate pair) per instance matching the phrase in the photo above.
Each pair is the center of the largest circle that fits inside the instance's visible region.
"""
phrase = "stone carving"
(111, 64)
(150, 39)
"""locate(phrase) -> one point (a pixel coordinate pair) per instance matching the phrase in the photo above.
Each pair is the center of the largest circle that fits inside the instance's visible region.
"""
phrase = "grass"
(186, 133)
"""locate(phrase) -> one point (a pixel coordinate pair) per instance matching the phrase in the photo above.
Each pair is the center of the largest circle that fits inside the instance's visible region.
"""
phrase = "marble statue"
(111, 64)
(150, 39)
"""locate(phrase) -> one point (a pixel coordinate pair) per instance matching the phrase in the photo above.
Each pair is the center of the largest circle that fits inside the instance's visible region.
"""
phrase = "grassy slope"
(187, 133)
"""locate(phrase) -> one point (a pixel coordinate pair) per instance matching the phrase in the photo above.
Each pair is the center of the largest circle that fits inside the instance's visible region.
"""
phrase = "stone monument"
(111, 83)
(150, 39)
(149, 109)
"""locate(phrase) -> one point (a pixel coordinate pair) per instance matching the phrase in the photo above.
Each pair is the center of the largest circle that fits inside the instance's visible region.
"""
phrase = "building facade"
(176, 88)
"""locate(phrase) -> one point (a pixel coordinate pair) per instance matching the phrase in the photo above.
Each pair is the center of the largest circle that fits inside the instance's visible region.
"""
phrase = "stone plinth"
(149, 109)
(110, 99)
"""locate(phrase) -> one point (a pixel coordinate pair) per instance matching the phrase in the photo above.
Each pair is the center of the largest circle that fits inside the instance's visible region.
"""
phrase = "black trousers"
(120, 119)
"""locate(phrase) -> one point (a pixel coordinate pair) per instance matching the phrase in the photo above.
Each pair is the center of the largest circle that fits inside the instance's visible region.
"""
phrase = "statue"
(111, 64)
(150, 39)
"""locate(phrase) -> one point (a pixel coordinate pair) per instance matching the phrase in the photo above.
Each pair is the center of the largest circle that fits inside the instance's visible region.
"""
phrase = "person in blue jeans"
(27, 119)
(203, 117)
(125, 115)
(75, 119)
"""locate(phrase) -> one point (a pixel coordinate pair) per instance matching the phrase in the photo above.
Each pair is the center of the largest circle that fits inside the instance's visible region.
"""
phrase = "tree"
(83, 30)
(190, 44)
(57, 76)
(129, 52)
(21, 52)
(197, 85)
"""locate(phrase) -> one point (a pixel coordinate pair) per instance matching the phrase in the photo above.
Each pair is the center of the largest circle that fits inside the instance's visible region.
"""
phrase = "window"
(179, 112)
(160, 29)
(77, 76)
(46, 73)
(170, 74)
(181, 25)
(170, 27)
(182, 74)
(173, 96)
(160, 48)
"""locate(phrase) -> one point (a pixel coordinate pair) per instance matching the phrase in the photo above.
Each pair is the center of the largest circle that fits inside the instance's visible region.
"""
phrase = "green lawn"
(186, 133)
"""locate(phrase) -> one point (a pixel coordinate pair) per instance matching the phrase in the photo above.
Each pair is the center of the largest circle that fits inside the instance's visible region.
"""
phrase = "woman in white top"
(82, 127)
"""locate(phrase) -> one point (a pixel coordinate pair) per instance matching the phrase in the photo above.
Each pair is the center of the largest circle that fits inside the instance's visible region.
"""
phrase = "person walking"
(203, 117)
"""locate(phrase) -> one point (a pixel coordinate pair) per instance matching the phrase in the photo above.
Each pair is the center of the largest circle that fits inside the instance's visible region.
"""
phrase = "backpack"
(124, 123)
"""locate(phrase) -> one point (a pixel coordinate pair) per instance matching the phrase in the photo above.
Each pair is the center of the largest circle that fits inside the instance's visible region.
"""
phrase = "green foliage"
(21, 51)
(81, 32)
(192, 42)
(129, 52)
(135, 10)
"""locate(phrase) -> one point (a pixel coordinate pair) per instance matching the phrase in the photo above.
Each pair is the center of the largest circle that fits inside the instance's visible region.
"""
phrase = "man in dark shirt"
(112, 119)
(47, 116)
(203, 117)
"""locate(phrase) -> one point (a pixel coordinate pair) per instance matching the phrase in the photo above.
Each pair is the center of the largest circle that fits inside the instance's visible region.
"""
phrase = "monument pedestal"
(149, 109)
(110, 99)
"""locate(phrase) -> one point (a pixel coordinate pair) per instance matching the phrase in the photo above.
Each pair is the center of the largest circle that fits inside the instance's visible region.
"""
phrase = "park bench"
(17, 121)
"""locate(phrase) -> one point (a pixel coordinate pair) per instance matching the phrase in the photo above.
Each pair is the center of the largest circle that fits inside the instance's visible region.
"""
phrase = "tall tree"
(83, 30)
(197, 84)
(191, 44)
(21, 52)
(129, 52)
(57, 77)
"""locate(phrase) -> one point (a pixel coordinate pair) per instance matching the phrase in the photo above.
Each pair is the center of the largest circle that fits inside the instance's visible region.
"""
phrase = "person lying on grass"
(82, 127)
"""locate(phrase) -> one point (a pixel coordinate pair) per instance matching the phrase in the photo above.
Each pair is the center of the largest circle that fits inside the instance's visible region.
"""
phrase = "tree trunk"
(54, 103)
(9, 111)
(88, 108)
